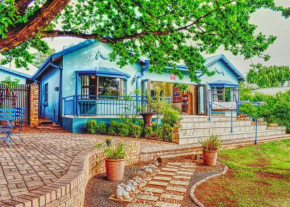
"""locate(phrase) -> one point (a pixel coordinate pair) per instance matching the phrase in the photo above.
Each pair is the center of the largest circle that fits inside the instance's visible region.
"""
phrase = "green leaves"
(168, 32)
(266, 77)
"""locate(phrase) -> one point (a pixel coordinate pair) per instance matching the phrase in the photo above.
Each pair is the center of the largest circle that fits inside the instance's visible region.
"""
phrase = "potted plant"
(115, 155)
(210, 148)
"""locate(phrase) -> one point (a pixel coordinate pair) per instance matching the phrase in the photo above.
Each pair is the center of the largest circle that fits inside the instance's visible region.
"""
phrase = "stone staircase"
(194, 128)
(46, 125)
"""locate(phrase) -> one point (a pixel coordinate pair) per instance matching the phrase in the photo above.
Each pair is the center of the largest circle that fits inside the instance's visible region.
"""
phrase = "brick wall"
(34, 98)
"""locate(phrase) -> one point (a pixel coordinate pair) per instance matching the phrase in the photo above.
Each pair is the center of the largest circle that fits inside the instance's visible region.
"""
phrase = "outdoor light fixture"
(93, 77)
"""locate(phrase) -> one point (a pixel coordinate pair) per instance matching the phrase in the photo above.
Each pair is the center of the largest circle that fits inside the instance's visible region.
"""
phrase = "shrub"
(159, 133)
(92, 126)
(170, 116)
(136, 130)
(167, 131)
(102, 128)
(113, 129)
(154, 127)
(141, 123)
(148, 132)
(123, 129)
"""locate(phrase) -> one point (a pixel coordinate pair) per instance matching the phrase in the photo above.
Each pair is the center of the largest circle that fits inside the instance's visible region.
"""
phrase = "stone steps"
(188, 124)
(217, 130)
(232, 136)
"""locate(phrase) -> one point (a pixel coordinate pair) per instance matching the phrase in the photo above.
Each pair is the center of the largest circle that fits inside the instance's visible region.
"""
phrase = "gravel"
(99, 189)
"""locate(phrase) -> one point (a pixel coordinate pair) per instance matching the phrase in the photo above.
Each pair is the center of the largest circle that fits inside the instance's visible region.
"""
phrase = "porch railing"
(98, 105)
(255, 119)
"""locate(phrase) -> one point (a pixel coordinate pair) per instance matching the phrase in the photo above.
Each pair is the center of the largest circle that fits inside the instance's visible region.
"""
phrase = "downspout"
(59, 121)
(147, 65)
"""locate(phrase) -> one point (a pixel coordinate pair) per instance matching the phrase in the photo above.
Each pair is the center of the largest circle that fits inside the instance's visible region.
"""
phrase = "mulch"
(99, 189)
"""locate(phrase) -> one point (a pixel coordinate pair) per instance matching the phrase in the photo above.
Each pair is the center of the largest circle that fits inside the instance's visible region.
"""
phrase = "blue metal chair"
(19, 119)
(7, 116)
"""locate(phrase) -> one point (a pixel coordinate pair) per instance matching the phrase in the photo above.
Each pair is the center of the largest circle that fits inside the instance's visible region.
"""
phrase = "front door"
(201, 100)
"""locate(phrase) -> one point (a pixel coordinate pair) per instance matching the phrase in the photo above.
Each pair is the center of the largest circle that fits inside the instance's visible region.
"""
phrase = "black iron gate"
(16, 97)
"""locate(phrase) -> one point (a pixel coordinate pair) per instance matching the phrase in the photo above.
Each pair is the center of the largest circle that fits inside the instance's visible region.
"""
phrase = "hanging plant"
(182, 87)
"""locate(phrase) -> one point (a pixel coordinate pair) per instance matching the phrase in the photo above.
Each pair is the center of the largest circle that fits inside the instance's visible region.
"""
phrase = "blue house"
(80, 83)
(14, 74)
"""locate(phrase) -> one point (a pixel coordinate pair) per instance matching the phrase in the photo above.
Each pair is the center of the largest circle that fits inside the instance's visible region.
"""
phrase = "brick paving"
(45, 157)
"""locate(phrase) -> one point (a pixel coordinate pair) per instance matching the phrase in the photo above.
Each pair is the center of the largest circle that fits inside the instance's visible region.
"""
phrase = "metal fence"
(19, 97)
(89, 105)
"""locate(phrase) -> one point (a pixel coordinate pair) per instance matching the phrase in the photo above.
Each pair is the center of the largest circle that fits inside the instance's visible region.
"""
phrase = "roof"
(211, 60)
(14, 72)
(103, 71)
(223, 83)
(273, 91)
(60, 54)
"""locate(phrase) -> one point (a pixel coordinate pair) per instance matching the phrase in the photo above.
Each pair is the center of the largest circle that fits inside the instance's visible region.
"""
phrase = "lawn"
(258, 176)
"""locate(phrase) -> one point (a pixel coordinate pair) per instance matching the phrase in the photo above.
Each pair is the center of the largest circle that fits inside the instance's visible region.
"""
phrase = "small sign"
(172, 77)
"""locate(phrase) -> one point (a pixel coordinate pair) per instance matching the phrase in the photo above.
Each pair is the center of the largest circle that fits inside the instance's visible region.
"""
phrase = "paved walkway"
(44, 157)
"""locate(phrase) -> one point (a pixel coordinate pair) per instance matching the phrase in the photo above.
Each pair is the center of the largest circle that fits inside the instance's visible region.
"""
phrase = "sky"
(268, 22)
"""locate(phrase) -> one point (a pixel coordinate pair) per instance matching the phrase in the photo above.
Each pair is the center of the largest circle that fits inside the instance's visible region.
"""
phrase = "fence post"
(34, 104)
(256, 133)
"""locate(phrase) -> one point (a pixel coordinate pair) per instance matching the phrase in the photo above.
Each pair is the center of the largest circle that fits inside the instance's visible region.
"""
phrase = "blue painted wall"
(51, 108)
(4, 75)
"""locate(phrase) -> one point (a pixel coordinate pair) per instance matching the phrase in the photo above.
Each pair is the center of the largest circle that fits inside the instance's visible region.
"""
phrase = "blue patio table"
(7, 116)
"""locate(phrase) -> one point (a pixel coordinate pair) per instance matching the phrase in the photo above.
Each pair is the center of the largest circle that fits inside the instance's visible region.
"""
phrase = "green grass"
(258, 176)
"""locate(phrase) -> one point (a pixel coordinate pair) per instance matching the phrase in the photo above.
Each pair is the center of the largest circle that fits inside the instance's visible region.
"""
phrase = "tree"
(166, 31)
(267, 77)
(40, 57)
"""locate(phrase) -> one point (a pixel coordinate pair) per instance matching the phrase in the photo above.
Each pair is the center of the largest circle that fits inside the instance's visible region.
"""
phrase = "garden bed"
(99, 189)
(258, 176)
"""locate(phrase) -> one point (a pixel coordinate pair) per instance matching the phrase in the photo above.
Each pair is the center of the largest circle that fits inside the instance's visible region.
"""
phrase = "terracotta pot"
(273, 125)
(115, 169)
(210, 157)
(147, 117)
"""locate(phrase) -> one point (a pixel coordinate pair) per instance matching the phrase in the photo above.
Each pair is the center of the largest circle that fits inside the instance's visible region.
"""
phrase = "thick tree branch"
(39, 20)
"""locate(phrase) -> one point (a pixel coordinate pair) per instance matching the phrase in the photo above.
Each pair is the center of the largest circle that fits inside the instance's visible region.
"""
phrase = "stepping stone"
(189, 164)
(182, 177)
(158, 183)
(169, 169)
(187, 169)
(154, 190)
(174, 163)
(138, 205)
(146, 197)
(172, 166)
(178, 189)
(184, 173)
(164, 204)
(166, 173)
(171, 196)
(177, 182)
(161, 178)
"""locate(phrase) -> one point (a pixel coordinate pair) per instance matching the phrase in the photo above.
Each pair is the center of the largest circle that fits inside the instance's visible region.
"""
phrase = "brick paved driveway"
(44, 157)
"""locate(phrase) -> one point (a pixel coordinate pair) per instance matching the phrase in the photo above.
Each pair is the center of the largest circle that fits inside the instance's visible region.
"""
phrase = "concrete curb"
(192, 189)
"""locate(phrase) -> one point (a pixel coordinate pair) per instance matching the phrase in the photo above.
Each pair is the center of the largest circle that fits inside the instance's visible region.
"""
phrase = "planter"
(115, 169)
(273, 125)
(147, 117)
(210, 157)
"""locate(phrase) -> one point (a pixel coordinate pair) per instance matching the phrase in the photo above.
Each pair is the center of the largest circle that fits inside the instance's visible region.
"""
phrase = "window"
(46, 92)
(218, 94)
(98, 85)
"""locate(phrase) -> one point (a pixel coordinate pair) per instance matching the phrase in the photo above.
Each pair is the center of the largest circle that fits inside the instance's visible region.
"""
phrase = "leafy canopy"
(266, 77)
(168, 32)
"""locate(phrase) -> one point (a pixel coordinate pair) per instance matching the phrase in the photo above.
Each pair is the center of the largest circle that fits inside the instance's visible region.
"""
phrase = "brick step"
(218, 130)
(231, 136)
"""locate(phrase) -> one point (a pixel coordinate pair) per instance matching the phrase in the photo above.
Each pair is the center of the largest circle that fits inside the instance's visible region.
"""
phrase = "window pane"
(109, 86)
(89, 86)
